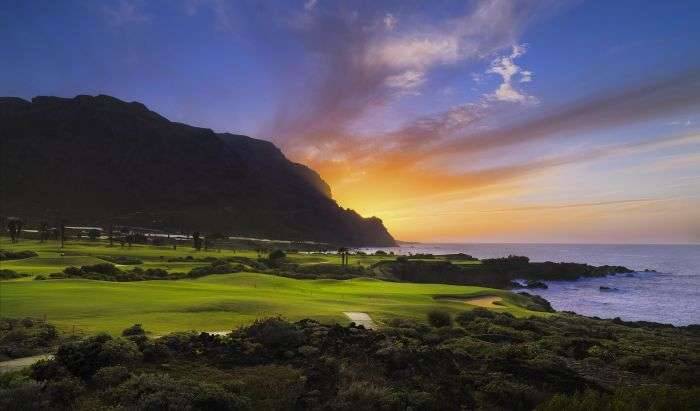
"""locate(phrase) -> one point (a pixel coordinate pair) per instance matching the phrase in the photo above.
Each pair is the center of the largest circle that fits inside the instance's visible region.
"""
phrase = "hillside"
(99, 160)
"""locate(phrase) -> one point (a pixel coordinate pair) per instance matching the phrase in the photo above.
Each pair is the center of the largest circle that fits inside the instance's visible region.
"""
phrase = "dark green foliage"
(277, 255)
(420, 256)
(460, 257)
(161, 392)
(323, 270)
(439, 318)
(653, 398)
(16, 255)
(110, 376)
(110, 272)
(84, 358)
(486, 360)
(11, 275)
(216, 267)
(26, 337)
(134, 330)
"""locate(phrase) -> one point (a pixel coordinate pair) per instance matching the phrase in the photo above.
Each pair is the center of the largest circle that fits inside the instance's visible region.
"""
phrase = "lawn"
(212, 303)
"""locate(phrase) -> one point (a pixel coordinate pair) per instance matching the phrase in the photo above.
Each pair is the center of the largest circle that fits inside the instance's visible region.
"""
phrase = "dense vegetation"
(11, 274)
(25, 337)
(478, 359)
(16, 255)
(110, 272)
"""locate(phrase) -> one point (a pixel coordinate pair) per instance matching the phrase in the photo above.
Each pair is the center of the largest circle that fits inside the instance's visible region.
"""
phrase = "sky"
(452, 121)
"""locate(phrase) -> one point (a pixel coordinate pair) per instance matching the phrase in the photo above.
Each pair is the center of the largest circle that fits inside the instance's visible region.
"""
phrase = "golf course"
(215, 302)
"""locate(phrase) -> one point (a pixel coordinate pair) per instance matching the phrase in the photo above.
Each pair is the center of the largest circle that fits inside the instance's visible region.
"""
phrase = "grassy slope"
(212, 303)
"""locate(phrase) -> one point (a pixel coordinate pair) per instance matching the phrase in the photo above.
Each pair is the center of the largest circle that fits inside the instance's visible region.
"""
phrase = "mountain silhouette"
(100, 160)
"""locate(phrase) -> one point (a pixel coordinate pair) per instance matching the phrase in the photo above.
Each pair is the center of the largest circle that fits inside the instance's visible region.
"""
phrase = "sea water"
(669, 295)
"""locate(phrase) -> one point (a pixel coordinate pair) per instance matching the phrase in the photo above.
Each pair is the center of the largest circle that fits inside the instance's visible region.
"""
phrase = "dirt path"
(486, 301)
(361, 319)
(19, 363)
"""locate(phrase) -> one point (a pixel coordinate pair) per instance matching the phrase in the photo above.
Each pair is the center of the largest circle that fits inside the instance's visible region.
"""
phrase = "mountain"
(101, 160)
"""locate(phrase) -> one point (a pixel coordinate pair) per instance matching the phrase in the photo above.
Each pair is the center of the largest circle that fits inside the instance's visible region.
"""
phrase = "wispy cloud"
(125, 12)
(310, 4)
(505, 67)
(222, 10)
(623, 106)
(366, 67)
(390, 22)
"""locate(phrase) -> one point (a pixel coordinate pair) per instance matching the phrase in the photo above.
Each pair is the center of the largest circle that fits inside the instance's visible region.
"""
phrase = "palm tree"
(43, 231)
(343, 251)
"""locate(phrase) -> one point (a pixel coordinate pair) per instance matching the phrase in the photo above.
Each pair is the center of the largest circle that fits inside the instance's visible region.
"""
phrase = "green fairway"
(212, 303)
(221, 302)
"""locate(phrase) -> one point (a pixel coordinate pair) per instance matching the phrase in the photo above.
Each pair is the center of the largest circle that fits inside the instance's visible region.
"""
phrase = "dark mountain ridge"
(102, 160)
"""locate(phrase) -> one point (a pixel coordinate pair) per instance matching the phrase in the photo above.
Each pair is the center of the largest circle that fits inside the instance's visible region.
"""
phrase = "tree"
(277, 255)
(210, 240)
(344, 253)
(43, 231)
(14, 226)
(110, 233)
(62, 232)
(93, 234)
(196, 241)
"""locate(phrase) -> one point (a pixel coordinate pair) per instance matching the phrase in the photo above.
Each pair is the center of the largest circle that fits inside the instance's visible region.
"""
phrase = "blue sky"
(452, 120)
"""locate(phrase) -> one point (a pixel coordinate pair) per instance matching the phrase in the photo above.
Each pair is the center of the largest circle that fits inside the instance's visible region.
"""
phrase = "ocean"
(669, 295)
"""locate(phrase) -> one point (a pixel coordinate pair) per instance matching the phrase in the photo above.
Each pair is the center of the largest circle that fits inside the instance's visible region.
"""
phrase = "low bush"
(11, 275)
(16, 255)
(26, 337)
(439, 318)
(122, 260)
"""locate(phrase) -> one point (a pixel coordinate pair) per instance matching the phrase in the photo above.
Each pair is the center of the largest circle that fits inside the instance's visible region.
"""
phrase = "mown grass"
(212, 303)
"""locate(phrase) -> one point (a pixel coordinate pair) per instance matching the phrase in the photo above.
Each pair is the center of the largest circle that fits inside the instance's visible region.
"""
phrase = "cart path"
(361, 319)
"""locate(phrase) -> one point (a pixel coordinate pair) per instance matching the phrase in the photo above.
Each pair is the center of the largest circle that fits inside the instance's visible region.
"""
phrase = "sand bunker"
(488, 301)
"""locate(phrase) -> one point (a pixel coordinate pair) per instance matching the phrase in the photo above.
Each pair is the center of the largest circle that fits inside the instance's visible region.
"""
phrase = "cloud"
(390, 22)
(125, 12)
(224, 16)
(310, 5)
(363, 67)
(406, 82)
(505, 67)
(627, 105)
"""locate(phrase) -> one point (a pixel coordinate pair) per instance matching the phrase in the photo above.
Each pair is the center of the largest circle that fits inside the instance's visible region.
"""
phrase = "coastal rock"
(536, 284)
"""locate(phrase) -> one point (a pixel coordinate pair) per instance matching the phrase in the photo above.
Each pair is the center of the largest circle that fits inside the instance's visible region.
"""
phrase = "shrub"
(16, 255)
(119, 351)
(161, 392)
(43, 370)
(110, 376)
(27, 396)
(64, 392)
(361, 395)
(135, 329)
(439, 318)
(10, 274)
(277, 255)
(84, 358)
